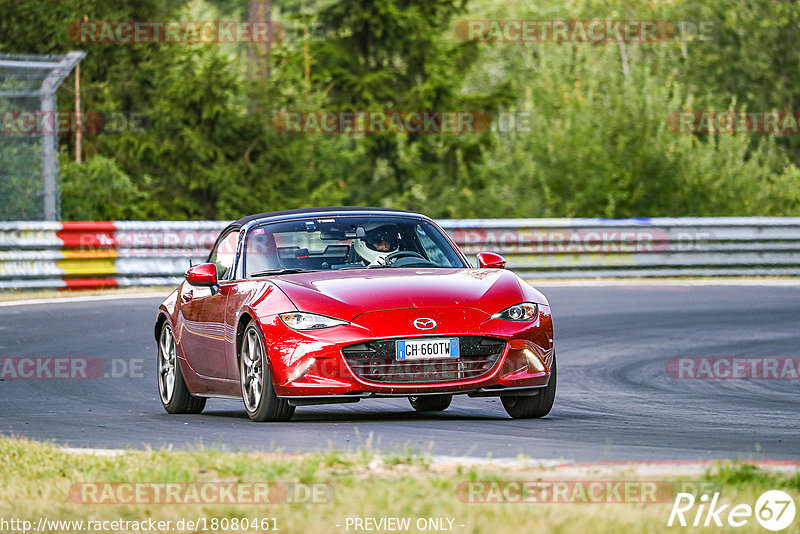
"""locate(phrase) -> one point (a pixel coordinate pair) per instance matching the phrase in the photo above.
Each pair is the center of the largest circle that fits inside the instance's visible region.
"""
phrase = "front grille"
(375, 361)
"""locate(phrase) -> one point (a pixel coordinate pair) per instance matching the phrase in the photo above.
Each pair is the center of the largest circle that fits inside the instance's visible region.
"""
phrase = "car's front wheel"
(526, 407)
(430, 403)
(258, 392)
(175, 396)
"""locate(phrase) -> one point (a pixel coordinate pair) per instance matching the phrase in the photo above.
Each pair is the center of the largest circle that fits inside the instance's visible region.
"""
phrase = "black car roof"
(311, 211)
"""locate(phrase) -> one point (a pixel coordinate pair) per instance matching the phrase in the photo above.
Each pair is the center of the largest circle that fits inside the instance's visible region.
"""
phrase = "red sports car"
(333, 305)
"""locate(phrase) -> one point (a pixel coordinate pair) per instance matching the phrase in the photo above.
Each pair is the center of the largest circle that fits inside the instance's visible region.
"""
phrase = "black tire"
(524, 407)
(177, 399)
(430, 403)
(253, 368)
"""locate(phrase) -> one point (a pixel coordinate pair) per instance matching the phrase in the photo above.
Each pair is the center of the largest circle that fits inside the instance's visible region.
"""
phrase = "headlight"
(309, 321)
(525, 311)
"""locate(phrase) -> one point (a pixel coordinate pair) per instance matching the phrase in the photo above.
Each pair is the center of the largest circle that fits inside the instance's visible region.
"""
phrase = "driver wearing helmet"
(378, 243)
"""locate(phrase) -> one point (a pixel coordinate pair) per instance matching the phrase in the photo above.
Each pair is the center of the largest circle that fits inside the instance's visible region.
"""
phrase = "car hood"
(346, 294)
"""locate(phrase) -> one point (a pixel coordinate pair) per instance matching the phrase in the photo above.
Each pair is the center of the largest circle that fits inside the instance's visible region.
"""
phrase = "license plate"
(427, 349)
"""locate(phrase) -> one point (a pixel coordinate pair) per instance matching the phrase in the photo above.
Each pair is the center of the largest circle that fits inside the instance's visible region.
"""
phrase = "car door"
(203, 330)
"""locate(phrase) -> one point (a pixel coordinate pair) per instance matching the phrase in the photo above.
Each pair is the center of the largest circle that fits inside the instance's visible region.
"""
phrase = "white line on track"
(88, 298)
(96, 452)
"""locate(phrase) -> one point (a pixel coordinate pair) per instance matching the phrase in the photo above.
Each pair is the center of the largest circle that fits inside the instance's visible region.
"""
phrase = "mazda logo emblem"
(423, 323)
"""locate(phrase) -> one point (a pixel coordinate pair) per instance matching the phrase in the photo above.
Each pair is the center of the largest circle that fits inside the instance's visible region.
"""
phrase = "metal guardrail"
(77, 255)
(643, 247)
(125, 253)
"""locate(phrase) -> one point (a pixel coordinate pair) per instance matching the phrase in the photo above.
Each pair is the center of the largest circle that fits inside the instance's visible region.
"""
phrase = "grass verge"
(39, 480)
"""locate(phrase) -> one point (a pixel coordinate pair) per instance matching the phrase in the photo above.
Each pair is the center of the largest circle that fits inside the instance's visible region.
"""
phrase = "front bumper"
(310, 367)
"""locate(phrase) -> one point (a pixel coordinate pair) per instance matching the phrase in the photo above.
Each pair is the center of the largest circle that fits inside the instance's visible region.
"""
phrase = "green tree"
(596, 143)
(98, 190)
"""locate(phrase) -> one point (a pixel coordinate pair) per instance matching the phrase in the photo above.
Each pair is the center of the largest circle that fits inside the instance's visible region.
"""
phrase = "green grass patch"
(37, 479)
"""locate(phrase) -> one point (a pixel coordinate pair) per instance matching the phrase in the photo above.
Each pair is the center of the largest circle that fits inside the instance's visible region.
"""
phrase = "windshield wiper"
(269, 272)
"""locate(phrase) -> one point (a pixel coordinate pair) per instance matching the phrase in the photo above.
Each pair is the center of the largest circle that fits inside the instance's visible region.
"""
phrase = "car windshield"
(346, 242)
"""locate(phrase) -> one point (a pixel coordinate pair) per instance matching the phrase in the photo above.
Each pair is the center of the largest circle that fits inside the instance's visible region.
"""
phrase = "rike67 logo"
(774, 510)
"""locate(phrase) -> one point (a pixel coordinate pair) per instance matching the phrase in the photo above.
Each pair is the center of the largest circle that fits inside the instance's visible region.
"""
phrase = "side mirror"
(490, 260)
(204, 274)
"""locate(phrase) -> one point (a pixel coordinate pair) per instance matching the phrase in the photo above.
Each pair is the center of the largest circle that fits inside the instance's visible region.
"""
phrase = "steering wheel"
(394, 256)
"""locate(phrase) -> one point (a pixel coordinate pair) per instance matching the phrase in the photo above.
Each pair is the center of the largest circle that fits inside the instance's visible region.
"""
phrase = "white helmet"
(373, 257)
(388, 233)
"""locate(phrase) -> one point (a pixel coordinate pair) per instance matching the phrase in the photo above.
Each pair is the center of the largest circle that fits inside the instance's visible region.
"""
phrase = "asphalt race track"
(615, 399)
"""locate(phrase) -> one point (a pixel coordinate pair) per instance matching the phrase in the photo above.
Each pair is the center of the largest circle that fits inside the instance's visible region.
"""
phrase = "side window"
(433, 252)
(224, 255)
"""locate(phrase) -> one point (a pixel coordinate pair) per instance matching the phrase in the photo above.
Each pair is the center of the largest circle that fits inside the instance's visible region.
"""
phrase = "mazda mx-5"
(335, 305)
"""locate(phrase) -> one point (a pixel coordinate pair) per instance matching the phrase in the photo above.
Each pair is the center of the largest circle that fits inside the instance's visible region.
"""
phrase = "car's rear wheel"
(175, 396)
(258, 392)
(430, 403)
(526, 407)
